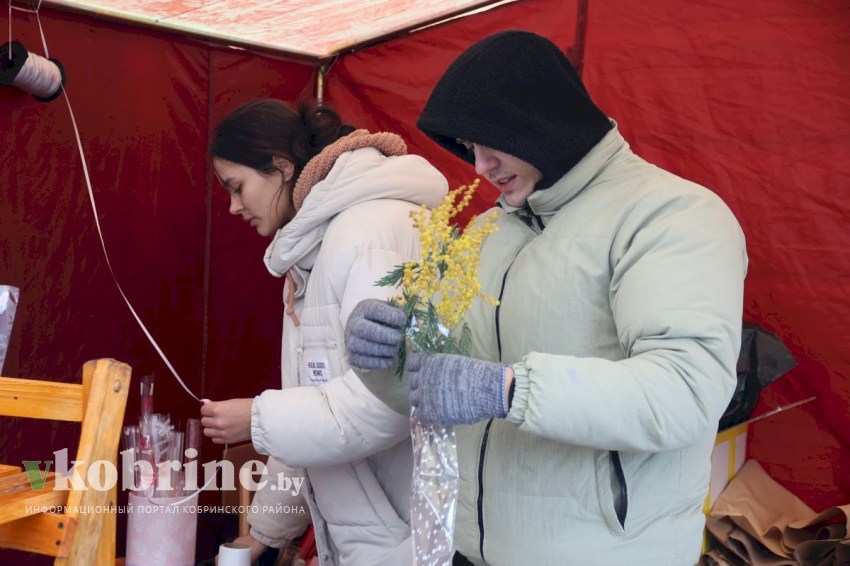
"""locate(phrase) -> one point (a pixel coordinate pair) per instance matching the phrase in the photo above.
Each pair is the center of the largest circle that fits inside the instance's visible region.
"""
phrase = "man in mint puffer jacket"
(595, 387)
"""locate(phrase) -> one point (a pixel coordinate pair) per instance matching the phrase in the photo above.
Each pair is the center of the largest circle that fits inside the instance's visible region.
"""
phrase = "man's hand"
(450, 389)
(227, 422)
(373, 334)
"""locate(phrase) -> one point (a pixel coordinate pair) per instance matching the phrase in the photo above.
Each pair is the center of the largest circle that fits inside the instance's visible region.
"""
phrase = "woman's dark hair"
(261, 129)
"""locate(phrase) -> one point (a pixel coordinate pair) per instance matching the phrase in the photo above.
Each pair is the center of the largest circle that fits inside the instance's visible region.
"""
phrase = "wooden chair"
(84, 534)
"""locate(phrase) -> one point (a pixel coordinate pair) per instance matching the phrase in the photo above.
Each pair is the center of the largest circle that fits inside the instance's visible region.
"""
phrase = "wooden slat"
(106, 384)
(19, 482)
(21, 500)
(106, 545)
(46, 533)
(41, 399)
(9, 470)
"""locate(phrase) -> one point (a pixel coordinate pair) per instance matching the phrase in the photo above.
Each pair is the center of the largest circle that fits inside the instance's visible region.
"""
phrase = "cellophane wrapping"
(8, 304)
(435, 491)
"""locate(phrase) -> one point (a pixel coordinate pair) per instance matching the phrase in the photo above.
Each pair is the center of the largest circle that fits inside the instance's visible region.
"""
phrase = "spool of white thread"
(42, 78)
(234, 554)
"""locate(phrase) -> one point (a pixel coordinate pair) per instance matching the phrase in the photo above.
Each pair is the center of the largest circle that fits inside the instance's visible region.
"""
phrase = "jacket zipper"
(296, 364)
(486, 436)
(299, 353)
(481, 487)
(622, 503)
(317, 343)
(498, 309)
(530, 218)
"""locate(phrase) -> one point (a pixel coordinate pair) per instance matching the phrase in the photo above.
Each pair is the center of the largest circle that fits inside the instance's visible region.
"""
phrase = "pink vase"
(161, 533)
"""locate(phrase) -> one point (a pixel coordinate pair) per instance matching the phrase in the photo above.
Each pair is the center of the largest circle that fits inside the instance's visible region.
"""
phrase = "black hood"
(516, 92)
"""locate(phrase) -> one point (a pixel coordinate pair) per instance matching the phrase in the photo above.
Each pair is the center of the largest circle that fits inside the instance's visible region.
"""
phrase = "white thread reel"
(42, 78)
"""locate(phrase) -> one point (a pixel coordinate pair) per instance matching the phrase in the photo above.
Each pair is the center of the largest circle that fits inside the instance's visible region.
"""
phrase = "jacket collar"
(356, 176)
(547, 202)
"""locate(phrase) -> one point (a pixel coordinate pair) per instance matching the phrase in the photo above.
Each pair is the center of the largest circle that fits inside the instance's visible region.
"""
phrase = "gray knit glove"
(450, 389)
(373, 334)
(372, 337)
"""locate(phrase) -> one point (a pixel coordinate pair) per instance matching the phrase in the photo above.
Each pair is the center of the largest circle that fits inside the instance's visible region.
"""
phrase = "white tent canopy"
(303, 29)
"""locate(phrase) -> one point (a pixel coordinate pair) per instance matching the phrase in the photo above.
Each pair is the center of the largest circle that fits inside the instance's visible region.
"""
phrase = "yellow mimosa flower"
(440, 287)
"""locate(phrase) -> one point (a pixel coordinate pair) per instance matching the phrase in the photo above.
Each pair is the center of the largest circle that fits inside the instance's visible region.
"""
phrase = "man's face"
(513, 177)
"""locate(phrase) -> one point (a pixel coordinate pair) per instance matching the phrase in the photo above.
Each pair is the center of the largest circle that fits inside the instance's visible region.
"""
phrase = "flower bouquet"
(436, 292)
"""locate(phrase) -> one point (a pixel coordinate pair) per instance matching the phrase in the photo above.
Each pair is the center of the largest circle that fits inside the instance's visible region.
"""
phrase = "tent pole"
(576, 52)
(321, 72)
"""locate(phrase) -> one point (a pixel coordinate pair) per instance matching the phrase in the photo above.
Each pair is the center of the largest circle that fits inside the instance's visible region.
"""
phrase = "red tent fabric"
(749, 100)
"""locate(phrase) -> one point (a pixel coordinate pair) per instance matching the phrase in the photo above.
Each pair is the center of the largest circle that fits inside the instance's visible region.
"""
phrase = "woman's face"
(263, 200)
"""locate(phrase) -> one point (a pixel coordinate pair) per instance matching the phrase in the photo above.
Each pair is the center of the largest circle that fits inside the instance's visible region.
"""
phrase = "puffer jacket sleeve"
(676, 294)
(278, 515)
(340, 420)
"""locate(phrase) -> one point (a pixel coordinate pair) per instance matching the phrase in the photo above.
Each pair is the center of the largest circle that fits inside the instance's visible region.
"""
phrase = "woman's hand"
(227, 422)
(257, 548)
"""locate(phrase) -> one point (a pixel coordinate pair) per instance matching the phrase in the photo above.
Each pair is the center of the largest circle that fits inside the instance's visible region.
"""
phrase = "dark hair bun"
(322, 127)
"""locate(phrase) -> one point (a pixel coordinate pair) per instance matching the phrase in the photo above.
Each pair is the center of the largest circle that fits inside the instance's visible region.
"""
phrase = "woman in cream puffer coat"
(345, 224)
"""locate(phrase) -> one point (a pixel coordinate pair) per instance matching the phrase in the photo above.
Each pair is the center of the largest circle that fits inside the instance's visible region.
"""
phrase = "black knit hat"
(516, 92)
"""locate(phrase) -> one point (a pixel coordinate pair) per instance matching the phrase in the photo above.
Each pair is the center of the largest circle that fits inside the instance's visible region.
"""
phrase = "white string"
(778, 410)
(19, 9)
(109, 263)
(106, 255)
(41, 31)
(169, 503)
(112, 271)
(39, 77)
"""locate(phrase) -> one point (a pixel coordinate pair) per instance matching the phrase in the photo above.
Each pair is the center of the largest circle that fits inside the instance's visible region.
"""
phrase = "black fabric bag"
(763, 360)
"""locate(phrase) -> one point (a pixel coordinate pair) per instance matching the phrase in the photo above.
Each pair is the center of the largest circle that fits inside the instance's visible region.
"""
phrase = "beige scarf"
(319, 167)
